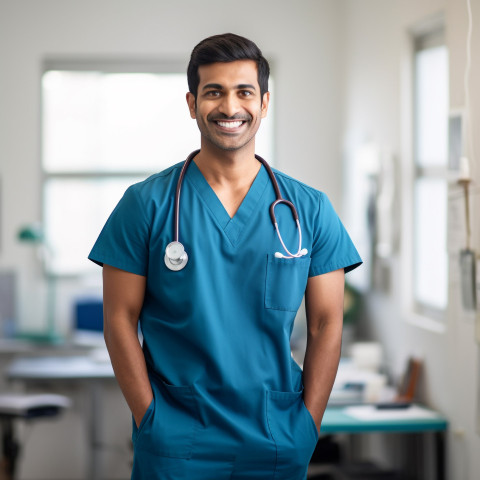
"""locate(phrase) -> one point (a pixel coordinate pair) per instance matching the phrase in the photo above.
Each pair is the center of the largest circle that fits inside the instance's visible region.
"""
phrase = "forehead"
(229, 73)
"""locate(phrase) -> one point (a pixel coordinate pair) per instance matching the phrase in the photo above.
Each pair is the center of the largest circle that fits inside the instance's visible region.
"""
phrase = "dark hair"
(226, 47)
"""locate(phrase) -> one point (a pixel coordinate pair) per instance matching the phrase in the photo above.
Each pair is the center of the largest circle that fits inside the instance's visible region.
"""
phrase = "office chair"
(27, 407)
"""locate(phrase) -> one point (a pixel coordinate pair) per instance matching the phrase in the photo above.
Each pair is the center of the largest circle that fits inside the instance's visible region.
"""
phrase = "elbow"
(116, 327)
(106, 330)
(326, 324)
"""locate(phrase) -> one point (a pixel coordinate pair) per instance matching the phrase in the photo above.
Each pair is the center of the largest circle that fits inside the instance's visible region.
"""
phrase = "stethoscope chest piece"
(175, 256)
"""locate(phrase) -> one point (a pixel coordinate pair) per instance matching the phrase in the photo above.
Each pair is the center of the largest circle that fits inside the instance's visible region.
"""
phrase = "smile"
(231, 125)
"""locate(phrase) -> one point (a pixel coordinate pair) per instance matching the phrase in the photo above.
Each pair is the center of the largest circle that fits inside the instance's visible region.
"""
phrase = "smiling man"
(228, 113)
(213, 390)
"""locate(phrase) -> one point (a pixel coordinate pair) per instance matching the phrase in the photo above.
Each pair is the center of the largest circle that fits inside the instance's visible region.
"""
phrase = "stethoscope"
(175, 255)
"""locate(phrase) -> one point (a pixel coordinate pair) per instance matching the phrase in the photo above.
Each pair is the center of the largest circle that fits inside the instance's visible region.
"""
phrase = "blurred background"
(375, 102)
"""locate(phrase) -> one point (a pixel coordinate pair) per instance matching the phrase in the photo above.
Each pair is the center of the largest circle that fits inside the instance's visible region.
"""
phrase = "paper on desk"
(370, 412)
(348, 373)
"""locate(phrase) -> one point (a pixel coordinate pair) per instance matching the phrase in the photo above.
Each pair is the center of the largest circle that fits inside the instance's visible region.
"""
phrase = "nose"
(229, 105)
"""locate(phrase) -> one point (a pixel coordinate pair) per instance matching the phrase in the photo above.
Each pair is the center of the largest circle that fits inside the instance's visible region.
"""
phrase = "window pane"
(430, 242)
(264, 139)
(431, 106)
(75, 212)
(95, 121)
(103, 122)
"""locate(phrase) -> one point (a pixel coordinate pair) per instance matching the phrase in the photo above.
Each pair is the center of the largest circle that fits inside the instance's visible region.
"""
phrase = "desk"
(335, 420)
(338, 420)
(81, 368)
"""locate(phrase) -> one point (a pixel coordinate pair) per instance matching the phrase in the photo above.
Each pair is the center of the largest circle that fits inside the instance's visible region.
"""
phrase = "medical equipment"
(467, 255)
(175, 255)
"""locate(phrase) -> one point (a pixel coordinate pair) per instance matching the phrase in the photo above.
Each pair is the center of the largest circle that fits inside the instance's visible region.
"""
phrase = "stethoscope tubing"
(174, 263)
(276, 188)
(176, 216)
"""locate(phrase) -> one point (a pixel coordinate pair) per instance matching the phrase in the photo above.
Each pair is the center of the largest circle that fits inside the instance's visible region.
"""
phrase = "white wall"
(338, 68)
(376, 108)
(302, 40)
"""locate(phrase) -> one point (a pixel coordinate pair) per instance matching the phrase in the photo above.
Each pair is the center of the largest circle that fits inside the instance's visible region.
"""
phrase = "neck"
(229, 173)
(221, 167)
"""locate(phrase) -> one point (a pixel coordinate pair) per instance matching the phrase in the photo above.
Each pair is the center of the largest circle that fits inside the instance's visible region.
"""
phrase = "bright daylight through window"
(103, 130)
(430, 184)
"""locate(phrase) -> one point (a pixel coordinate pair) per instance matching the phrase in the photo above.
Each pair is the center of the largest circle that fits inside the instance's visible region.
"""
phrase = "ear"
(265, 100)
(191, 104)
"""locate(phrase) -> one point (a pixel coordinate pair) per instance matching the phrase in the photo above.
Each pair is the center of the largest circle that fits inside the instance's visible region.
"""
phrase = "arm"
(324, 309)
(123, 295)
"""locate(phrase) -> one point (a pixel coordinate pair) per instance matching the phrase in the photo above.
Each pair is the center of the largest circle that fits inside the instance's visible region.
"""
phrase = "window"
(430, 263)
(105, 127)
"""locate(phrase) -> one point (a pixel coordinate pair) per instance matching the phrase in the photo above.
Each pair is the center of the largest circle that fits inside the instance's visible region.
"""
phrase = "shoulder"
(313, 205)
(298, 189)
(157, 184)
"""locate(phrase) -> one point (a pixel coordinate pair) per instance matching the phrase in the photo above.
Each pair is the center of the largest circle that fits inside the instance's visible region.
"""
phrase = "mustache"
(219, 117)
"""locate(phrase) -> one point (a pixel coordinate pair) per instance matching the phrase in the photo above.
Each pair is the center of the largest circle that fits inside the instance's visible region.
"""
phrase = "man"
(214, 392)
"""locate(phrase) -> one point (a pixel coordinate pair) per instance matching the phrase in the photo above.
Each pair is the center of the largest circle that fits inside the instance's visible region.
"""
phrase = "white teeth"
(230, 124)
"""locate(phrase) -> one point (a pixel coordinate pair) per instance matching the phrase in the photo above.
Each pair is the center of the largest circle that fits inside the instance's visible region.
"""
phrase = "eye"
(212, 93)
(246, 93)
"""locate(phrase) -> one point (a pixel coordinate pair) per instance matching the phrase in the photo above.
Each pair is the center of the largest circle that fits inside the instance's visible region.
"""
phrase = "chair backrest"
(410, 379)
(89, 315)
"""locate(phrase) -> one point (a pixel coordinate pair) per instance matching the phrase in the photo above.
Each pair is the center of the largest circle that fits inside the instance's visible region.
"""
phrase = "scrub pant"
(214, 465)
(180, 438)
(163, 468)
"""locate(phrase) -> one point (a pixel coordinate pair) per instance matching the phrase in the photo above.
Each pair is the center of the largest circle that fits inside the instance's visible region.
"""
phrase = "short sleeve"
(123, 241)
(332, 247)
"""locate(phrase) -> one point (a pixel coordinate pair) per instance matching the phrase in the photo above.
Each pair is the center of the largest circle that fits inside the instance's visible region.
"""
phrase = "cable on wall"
(466, 83)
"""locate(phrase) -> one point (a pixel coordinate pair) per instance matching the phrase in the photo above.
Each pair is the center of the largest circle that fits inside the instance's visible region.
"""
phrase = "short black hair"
(226, 47)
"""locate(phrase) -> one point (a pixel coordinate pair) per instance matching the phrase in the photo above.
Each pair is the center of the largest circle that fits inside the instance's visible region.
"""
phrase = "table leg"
(10, 449)
(95, 431)
(440, 452)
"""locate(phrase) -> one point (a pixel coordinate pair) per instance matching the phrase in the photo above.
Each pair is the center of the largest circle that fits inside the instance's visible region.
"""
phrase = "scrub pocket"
(169, 427)
(137, 430)
(294, 432)
(285, 283)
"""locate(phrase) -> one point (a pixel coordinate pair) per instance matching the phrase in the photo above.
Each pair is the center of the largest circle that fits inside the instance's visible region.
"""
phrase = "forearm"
(129, 365)
(320, 366)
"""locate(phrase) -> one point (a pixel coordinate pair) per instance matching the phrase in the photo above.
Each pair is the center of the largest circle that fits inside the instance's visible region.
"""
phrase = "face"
(229, 106)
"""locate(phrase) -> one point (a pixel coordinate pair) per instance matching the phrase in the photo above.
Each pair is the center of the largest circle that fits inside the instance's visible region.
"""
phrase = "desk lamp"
(33, 234)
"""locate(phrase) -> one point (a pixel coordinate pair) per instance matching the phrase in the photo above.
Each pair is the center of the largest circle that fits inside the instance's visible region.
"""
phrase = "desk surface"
(335, 420)
(59, 368)
(338, 420)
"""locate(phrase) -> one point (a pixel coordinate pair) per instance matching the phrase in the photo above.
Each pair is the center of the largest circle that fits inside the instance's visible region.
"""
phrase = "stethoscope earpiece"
(175, 255)
(301, 253)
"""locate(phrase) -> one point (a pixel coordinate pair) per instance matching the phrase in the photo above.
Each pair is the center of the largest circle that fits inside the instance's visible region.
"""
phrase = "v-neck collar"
(232, 227)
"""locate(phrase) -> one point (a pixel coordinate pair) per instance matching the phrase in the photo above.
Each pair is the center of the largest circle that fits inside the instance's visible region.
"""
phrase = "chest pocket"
(285, 282)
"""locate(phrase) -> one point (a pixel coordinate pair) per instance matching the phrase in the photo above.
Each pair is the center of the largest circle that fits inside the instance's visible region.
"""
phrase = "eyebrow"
(217, 86)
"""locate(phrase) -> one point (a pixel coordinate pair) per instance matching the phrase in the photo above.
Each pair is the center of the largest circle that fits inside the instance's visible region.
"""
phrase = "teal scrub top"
(216, 335)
